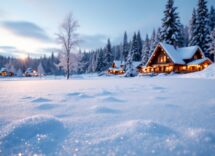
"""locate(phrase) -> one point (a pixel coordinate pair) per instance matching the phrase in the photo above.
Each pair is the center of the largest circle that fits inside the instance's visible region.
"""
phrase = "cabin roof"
(118, 63)
(178, 55)
(199, 61)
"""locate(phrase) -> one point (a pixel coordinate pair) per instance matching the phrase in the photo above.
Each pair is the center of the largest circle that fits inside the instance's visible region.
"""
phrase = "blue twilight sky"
(29, 26)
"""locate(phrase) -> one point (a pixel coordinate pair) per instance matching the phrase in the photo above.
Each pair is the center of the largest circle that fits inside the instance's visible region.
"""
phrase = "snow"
(91, 115)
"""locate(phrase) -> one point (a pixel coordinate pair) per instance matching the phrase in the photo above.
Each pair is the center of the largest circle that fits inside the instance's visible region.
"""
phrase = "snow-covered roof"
(3, 70)
(199, 61)
(118, 63)
(178, 55)
(172, 53)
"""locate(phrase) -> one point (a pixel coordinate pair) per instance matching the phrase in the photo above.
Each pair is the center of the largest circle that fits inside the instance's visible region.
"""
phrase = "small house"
(166, 59)
(4, 72)
(117, 68)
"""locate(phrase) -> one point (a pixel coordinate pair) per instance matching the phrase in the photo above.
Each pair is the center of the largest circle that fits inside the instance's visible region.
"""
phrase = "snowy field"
(89, 115)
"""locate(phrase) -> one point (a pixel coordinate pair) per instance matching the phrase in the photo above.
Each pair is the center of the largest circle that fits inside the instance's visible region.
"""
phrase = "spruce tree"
(108, 56)
(146, 51)
(203, 33)
(212, 46)
(129, 67)
(139, 44)
(212, 18)
(100, 61)
(193, 30)
(125, 47)
(171, 27)
(153, 41)
(134, 49)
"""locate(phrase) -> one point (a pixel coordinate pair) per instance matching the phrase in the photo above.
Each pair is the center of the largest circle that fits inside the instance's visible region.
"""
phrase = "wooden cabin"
(4, 72)
(167, 59)
(117, 68)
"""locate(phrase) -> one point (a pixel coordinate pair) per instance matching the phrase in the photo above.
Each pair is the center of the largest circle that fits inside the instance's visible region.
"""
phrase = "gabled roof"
(178, 55)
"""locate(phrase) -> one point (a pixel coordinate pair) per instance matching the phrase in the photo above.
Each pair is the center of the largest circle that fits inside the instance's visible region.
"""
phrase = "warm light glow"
(23, 57)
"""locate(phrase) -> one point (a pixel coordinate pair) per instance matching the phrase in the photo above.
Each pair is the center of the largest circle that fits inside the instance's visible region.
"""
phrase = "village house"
(4, 72)
(117, 67)
(166, 59)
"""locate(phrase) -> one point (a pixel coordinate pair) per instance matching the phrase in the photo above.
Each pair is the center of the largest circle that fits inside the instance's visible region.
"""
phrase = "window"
(163, 59)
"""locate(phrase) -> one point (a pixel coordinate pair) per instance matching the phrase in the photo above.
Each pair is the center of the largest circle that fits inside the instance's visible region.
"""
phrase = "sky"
(30, 26)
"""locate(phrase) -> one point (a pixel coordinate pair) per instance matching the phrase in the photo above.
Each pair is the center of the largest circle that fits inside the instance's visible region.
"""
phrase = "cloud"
(26, 29)
(89, 42)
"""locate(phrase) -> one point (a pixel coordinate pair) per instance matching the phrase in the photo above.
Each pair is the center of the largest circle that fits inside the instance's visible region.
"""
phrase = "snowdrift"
(31, 135)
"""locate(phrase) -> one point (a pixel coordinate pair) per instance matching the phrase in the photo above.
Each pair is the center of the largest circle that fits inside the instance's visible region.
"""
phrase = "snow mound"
(40, 100)
(105, 110)
(46, 106)
(33, 135)
(208, 73)
(112, 99)
(133, 137)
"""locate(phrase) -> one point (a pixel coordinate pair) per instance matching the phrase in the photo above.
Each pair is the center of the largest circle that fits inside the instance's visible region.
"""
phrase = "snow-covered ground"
(89, 115)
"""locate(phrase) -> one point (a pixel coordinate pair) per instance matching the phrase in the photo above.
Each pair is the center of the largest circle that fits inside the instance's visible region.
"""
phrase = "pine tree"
(129, 67)
(212, 18)
(153, 42)
(134, 49)
(203, 33)
(158, 36)
(40, 69)
(146, 51)
(171, 30)
(140, 44)
(212, 45)
(193, 30)
(100, 61)
(125, 47)
(108, 56)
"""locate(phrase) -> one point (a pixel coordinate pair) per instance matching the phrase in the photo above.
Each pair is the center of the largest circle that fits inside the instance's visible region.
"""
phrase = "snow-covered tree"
(129, 67)
(19, 73)
(134, 49)
(212, 18)
(193, 40)
(12, 69)
(153, 42)
(40, 69)
(125, 47)
(140, 44)
(171, 26)
(100, 67)
(146, 51)
(202, 26)
(158, 36)
(68, 39)
(212, 45)
(108, 55)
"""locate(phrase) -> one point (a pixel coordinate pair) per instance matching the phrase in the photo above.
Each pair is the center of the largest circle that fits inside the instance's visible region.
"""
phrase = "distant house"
(4, 72)
(30, 73)
(117, 67)
(166, 59)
